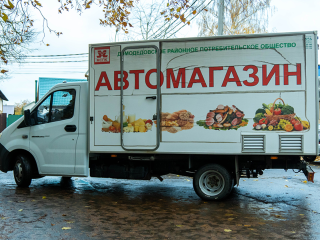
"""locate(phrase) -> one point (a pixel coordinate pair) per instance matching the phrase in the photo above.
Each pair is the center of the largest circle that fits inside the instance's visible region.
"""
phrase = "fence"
(12, 118)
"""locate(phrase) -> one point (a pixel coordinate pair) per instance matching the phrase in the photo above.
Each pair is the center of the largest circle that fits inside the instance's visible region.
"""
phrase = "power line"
(43, 73)
(192, 18)
(180, 22)
(71, 54)
(58, 61)
(155, 34)
(198, 12)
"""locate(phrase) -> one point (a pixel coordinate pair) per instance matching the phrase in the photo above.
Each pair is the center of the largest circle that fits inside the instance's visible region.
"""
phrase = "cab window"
(56, 107)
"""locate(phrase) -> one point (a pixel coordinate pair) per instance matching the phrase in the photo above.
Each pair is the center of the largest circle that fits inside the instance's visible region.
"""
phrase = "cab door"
(54, 134)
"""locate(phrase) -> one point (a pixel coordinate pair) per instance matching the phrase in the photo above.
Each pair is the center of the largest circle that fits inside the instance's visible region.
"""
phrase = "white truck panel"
(198, 75)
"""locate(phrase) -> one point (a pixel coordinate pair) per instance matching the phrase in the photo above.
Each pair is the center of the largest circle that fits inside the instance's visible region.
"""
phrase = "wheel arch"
(13, 154)
(226, 161)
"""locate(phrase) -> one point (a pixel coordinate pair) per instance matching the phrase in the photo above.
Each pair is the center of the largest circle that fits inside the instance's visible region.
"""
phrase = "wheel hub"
(211, 182)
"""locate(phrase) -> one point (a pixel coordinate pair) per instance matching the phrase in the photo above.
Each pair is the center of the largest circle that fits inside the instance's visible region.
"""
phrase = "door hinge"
(91, 119)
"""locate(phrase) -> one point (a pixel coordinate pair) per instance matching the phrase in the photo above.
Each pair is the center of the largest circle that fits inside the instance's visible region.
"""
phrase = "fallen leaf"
(76, 179)
(228, 230)
(247, 225)
(67, 221)
(230, 219)
(285, 186)
(277, 216)
(66, 228)
(44, 197)
(33, 200)
(86, 206)
(239, 225)
(64, 215)
(4, 218)
(301, 214)
(251, 228)
(271, 208)
(255, 180)
(52, 224)
(20, 210)
(304, 181)
(228, 214)
(178, 225)
(22, 201)
(293, 232)
(178, 175)
(244, 180)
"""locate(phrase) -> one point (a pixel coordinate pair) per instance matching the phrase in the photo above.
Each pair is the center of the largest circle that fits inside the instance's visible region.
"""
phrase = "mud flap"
(308, 172)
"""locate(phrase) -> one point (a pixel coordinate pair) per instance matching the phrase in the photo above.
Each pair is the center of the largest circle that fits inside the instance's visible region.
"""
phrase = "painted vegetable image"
(224, 118)
(278, 117)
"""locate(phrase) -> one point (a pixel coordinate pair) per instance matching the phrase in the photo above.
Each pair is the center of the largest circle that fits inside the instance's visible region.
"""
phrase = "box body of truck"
(201, 96)
(216, 109)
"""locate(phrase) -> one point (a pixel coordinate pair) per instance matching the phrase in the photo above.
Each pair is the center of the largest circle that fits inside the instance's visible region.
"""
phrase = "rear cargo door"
(140, 103)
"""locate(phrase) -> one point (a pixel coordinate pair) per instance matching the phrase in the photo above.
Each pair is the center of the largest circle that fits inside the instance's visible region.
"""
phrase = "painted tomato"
(149, 121)
(294, 121)
(277, 111)
(298, 126)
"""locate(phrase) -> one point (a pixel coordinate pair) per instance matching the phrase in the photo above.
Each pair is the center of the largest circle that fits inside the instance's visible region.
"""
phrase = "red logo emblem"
(102, 55)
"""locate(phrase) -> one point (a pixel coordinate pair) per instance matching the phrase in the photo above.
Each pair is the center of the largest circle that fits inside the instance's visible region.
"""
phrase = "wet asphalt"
(277, 205)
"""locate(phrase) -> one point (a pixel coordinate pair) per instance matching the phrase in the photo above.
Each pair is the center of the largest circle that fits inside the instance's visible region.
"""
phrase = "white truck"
(214, 108)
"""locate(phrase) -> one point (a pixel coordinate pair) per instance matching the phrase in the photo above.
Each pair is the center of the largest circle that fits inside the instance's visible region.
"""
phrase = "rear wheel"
(22, 171)
(212, 182)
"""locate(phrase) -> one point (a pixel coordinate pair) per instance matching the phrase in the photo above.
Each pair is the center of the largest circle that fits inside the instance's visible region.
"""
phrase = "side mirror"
(27, 117)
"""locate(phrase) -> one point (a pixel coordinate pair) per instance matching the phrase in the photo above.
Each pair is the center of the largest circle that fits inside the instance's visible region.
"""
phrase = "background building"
(2, 98)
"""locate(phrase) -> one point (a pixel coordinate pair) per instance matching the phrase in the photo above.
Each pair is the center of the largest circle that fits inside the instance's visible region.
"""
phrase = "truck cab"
(52, 136)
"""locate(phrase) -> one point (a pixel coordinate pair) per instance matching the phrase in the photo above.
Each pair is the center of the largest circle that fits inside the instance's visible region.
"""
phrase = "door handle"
(152, 97)
(70, 128)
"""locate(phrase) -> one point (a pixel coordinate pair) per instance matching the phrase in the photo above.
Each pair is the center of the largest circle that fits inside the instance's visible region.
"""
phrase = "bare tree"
(241, 17)
(18, 107)
(148, 16)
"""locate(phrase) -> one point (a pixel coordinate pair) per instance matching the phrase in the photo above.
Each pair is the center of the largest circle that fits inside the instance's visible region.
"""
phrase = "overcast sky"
(80, 31)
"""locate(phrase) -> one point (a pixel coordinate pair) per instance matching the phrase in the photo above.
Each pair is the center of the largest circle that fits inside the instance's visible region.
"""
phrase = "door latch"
(152, 97)
(154, 117)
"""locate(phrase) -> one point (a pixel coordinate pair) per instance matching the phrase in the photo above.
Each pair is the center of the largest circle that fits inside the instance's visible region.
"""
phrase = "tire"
(22, 171)
(212, 182)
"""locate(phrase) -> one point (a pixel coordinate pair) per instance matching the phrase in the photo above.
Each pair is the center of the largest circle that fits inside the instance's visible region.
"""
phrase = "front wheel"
(22, 171)
(212, 182)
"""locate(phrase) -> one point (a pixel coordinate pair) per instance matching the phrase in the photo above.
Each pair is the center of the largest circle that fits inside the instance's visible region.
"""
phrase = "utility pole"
(221, 17)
